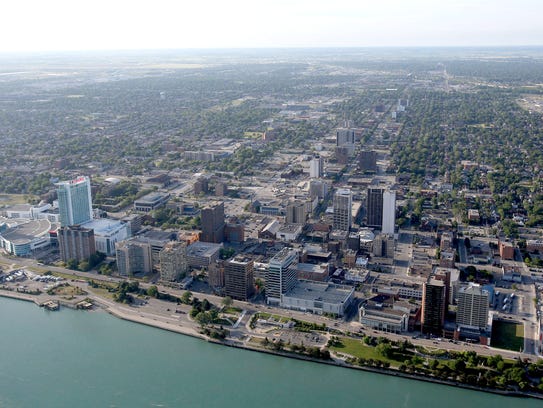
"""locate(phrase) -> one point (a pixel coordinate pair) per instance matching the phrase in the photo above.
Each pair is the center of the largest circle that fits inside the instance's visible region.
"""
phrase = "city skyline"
(299, 23)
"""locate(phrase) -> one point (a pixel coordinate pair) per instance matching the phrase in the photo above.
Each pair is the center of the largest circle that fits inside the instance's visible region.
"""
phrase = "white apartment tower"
(389, 212)
(473, 306)
(316, 167)
(342, 209)
(281, 275)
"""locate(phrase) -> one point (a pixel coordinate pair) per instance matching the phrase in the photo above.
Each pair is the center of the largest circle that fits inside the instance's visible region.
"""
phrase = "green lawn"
(278, 318)
(358, 349)
(507, 335)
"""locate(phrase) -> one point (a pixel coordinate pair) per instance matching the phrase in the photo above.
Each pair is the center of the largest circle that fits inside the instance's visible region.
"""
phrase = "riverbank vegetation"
(466, 367)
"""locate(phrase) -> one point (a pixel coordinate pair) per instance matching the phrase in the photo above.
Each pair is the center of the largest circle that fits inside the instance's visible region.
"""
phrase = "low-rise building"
(151, 202)
(202, 254)
(385, 318)
(318, 298)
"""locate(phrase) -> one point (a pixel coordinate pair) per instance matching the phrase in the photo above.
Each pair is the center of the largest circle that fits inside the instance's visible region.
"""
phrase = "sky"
(64, 25)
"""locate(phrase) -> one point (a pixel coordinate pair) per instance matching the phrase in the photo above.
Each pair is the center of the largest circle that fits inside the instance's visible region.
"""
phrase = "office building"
(281, 275)
(296, 212)
(107, 233)
(239, 278)
(342, 210)
(374, 208)
(74, 201)
(345, 137)
(389, 212)
(367, 161)
(203, 254)
(76, 242)
(473, 307)
(319, 298)
(173, 261)
(383, 246)
(213, 224)
(434, 303)
(318, 189)
(133, 257)
(201, 186)
(316, 167)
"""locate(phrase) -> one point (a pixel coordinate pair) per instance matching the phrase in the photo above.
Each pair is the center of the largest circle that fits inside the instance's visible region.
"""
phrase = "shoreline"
(183, 330)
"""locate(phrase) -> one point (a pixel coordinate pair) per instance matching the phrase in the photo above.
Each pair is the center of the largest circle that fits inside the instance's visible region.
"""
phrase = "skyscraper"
(281, 274)
(74, 201)
(433, 305)
(389, 212)
(239, 278)
(472, 307)
(374, 208)
(213, 223)
(342, 210)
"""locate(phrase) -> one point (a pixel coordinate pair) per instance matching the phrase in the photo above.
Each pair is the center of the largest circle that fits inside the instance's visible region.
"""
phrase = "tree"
(71, 264)
(186, 297)
(152, 291)
(227, 301)
(458, 365)
(384, 349)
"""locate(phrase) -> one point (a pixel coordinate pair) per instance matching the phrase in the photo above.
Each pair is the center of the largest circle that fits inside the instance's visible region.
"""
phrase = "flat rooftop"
(323, 292)
(152, 198)
(203, 249)
(21, 231)
(103, 226)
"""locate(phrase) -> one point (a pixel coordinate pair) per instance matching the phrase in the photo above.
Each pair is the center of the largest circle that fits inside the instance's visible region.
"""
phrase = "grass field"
(12, 199)
(357, 348)
(507, 335)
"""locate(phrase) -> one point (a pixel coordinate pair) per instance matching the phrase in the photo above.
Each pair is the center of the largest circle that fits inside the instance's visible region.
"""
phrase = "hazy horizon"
(62, 25)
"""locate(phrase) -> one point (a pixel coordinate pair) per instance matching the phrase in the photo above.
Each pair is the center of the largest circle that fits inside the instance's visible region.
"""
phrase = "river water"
(91, 359)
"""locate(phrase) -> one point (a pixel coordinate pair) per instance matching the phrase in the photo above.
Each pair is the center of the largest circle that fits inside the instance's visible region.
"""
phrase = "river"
(91, 359)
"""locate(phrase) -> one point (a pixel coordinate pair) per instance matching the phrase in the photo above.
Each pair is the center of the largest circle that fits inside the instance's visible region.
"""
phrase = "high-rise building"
(173, 261)
(296, 212)
(239, 278)
(213, 224)
(383, 246)
(201, 186)
(389, 212)
(345, 137)
(221, 189)
(74, 201)
(133, 256)
(281, 275)
(76, 242)
(316, 167)
(318, 188)
(473, 307)
(367, 161)
(342, 210)
(374, 208)
(433, 305)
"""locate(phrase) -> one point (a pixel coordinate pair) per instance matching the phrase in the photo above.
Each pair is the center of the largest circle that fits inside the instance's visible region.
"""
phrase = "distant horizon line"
(269, 48)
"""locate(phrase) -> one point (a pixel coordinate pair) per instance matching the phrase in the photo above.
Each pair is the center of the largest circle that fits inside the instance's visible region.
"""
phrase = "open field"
(507, 335)
(12, 199)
